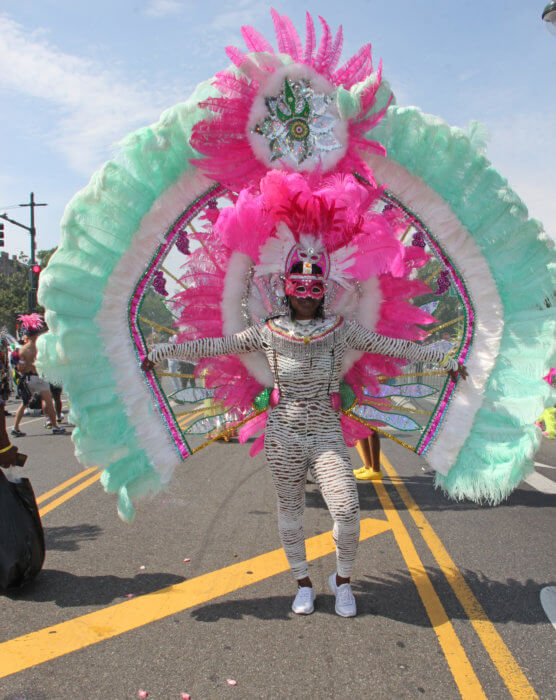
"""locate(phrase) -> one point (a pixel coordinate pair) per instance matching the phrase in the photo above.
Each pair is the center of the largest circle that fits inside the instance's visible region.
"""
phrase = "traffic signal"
(1, 235)
(34, 272)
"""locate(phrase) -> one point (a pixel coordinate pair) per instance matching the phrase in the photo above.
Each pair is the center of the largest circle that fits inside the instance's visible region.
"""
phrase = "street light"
(549, 16)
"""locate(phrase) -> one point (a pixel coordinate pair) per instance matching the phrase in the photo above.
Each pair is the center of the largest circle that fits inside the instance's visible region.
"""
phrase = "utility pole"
(33, 276)
(32, 204)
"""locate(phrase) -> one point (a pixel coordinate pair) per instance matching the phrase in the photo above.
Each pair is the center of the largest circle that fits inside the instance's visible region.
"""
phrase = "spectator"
(30, 380)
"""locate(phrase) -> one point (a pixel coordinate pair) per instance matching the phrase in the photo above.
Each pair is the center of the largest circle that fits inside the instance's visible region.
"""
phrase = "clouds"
(95, 105)
(163, 8)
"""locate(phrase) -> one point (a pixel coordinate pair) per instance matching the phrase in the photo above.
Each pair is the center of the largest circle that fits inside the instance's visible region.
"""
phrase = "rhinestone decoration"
(300, 124)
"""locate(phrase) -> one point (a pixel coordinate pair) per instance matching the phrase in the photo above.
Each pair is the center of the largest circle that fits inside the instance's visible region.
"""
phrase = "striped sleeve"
(237, 344)
(360, 338)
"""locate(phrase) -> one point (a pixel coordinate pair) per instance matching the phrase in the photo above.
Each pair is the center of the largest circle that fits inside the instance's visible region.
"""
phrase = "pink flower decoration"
(230, 681)
(31, 322)
(185, 696)
(223, 139)
(142, 693)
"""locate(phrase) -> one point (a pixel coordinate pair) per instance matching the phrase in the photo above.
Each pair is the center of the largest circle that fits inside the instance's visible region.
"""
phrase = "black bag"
(4, 387)
(35, 403)
(23, 390)
(21, 534)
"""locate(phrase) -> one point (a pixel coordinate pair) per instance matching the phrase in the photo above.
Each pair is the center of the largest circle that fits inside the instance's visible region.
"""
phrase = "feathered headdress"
(30, 322)
(333, 218)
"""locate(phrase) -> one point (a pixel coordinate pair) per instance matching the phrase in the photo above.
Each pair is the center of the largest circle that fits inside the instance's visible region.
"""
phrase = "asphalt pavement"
(194, 596)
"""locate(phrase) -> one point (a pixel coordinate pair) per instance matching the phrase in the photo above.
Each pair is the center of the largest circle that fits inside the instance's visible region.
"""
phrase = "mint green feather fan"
(119, 230)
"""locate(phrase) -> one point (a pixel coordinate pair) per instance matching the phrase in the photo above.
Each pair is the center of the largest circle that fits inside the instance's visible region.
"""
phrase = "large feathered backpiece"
(186, 232)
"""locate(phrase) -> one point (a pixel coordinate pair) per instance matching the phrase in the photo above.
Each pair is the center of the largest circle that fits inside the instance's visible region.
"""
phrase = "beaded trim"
(438, 414)
(308, 339)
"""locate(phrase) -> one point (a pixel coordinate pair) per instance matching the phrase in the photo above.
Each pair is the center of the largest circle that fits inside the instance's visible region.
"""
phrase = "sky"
(76, 76)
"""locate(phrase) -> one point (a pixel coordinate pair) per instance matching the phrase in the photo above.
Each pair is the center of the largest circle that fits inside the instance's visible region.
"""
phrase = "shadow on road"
(66, 538)
(67, 590)
(396, 598)
(430, 499)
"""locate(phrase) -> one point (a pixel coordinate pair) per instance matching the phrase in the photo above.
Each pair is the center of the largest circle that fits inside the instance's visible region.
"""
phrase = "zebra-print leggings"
(302, 435)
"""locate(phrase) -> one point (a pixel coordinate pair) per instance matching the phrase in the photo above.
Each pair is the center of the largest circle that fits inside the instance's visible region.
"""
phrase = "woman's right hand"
(155, 355)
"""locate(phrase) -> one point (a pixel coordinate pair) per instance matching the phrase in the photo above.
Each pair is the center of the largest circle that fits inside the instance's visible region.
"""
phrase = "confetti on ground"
(130, 595)
(185, 696)
(142, 568)
(230, 681)
(142, 693)
(187, 559)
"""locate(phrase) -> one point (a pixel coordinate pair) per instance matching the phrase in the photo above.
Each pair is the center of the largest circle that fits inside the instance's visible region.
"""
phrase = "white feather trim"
(150, 428)
(274, 252)
(340, 259)
(458, 243)
(366, 312)
(232, 316)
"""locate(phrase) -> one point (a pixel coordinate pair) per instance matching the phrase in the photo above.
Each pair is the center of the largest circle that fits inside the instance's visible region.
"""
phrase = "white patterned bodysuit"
(303, 431)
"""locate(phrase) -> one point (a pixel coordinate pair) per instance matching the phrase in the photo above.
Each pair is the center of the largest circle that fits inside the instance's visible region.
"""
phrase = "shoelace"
(345, 595)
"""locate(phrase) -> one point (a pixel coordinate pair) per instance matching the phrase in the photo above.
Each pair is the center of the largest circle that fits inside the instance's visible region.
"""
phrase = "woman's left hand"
(455, 373)
(147, 364)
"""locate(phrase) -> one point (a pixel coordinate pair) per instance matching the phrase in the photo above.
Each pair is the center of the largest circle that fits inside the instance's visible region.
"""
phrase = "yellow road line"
(66, 637)
(462, 671)
(507, 667)
(190, 417)
(69, 494)
(45, 496)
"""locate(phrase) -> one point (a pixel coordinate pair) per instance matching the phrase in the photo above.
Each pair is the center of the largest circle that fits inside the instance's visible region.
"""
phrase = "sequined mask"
(303, 286)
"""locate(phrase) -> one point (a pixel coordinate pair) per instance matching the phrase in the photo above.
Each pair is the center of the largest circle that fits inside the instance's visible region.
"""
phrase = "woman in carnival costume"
(286, 159)
(311, 238)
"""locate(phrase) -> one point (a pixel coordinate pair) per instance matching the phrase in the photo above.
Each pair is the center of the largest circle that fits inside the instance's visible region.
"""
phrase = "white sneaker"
(303, 603)
(345, 602)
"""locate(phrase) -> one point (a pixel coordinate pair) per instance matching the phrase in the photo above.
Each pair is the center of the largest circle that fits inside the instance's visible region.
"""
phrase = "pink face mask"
(303, 286)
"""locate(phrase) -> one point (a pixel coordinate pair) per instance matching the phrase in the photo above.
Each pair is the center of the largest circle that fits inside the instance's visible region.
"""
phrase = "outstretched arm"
(360, 338)
(245, 341)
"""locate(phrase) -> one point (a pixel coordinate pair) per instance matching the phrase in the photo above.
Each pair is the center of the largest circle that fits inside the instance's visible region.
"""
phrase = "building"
(9, 265)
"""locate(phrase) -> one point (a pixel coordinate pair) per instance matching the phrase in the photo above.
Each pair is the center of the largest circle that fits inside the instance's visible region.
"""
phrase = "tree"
(14, 288)
(154, 309)
(13, 296)
(43, 256)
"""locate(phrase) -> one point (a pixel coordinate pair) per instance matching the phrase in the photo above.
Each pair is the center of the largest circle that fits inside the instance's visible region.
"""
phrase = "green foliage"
(13, 296)
(14, 289)
(43, 256)
(154, 309)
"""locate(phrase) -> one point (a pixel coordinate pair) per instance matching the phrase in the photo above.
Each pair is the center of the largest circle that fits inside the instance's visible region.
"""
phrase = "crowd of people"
(18, 375)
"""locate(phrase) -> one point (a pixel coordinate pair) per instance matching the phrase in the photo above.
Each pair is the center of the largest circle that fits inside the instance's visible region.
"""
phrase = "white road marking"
(541, 483)
(545, 466)
(548, 602)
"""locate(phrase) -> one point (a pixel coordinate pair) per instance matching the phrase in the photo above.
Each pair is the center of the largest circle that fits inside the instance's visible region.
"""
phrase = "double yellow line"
(68, 494)
(95, 476)
(462, 671)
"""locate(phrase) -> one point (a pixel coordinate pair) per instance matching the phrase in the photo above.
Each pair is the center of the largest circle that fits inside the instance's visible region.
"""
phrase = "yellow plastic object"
(549, 419)
(367, 474)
